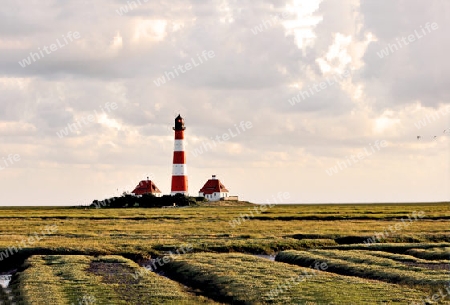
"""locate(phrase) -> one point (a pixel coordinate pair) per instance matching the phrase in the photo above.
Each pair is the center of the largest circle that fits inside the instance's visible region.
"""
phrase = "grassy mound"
(245, 279)
(436, 253)
(104, 280)
(376, 265)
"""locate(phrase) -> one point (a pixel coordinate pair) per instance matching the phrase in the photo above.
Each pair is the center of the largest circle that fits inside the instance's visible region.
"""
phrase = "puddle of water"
(5, 279)
(269, 257)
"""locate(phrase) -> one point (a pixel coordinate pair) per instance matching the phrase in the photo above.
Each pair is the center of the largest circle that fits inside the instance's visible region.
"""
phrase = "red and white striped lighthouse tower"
(179, 170)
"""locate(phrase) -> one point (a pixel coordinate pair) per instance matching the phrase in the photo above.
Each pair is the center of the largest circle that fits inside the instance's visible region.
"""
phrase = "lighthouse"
(179, 170)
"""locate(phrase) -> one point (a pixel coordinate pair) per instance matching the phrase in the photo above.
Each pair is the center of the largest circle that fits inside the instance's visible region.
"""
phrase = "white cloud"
(250, 78)
(146, 30)
(302, 27)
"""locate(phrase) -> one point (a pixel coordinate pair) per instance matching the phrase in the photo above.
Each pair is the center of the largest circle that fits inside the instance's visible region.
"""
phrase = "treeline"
(145, 201)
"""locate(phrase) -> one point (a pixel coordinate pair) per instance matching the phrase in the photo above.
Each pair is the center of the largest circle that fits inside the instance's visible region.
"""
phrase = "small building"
(146, 187)
(213, 190)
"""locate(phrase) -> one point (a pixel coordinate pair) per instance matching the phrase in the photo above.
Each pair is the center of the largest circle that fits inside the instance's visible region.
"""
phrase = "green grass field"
(63, 279)
(375, 254)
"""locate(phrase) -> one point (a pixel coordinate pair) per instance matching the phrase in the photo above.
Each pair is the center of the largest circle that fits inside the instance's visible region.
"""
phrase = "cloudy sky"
(337, 93)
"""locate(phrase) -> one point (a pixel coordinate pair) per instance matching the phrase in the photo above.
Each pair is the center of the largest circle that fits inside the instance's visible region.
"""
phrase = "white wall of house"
(216, 196)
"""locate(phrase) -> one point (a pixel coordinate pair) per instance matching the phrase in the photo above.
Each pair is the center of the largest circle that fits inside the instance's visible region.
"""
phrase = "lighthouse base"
(180, 192)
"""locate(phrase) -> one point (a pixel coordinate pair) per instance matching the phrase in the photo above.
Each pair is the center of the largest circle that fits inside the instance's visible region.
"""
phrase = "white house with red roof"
(147, 187)
(213, 190)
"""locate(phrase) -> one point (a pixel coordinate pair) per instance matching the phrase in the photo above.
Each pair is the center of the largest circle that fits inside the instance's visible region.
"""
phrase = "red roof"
(146, 187)
(213, 186)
